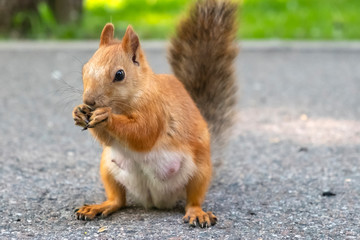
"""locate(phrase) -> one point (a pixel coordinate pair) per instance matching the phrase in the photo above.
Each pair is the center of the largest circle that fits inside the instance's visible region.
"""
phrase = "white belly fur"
(155, 179)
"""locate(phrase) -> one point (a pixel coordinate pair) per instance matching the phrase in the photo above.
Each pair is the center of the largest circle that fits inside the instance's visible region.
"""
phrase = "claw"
(213, 221)
(91, 108)
(82, 111)
(193, 224)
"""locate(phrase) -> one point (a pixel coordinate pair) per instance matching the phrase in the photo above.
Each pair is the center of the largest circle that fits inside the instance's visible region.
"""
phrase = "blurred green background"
(156, 19)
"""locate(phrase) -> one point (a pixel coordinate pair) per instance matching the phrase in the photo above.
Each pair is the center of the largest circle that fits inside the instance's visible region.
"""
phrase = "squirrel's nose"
(89, 99)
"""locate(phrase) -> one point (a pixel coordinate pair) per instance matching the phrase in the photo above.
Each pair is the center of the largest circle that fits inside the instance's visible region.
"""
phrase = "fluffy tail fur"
(201, 55)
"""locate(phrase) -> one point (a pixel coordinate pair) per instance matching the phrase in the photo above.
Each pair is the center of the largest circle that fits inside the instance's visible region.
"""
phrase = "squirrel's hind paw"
(89, 212)
(196, 216)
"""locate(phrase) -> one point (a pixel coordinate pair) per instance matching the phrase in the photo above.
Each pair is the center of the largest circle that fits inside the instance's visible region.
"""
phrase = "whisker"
(78, 60)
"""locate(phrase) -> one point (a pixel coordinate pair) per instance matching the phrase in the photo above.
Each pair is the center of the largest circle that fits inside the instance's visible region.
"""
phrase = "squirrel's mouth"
(92, 108)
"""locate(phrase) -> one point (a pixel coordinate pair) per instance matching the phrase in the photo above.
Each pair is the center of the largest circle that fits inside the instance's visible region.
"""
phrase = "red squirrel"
(159, 132)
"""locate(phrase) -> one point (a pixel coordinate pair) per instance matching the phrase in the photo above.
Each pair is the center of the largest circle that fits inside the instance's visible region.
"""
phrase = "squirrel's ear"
(131, 44)
(107, 34)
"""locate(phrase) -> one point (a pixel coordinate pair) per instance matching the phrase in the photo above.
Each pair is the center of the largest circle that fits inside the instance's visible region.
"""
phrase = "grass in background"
(156, 19)
(150, 18)
(301, 19)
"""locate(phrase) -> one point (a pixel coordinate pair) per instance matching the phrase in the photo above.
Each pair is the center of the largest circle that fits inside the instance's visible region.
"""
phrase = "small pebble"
(328, 194)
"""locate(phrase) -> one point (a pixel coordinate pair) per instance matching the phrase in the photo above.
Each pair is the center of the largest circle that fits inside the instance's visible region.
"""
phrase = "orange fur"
(115, 193)
(155, 139)
(151, 110)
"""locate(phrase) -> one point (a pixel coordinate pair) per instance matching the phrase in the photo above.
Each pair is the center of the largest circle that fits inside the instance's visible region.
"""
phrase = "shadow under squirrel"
(159, 132)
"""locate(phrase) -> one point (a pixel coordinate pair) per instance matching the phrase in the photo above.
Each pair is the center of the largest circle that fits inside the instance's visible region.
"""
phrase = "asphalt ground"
(292, 170)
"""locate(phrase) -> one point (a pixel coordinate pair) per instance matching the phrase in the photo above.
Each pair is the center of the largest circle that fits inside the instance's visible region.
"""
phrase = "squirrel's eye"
(119, 75)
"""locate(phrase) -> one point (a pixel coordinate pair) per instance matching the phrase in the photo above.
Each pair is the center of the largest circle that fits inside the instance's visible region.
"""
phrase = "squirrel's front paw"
(81, 115)
(99, 117)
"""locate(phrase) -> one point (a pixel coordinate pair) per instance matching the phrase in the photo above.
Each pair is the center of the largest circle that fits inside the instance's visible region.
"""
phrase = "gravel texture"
(297, 138)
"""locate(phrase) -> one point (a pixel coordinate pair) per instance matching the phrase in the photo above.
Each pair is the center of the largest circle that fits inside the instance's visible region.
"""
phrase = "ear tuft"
(107, 34)
(131, 44)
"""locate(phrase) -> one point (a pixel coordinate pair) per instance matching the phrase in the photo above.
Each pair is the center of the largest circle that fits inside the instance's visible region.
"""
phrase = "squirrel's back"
(202, 54)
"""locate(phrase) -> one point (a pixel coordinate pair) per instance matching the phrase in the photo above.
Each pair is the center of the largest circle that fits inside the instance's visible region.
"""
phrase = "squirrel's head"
(115, 74)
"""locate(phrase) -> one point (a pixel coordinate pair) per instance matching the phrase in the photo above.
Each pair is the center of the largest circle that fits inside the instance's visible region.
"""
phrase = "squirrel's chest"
(156, 178)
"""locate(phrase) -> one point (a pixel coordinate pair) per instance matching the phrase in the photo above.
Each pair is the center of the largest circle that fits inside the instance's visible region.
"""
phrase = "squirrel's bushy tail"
(202, 54)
